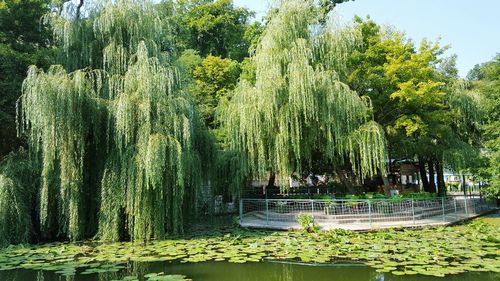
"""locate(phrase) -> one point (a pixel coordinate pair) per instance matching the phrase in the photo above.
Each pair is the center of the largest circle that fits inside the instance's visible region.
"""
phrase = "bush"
(492, 191)
(281, 207)
(374, 195)
(306, 221)
(420, 195)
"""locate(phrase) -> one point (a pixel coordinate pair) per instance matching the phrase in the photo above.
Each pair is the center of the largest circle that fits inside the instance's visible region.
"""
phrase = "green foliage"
(431, 251)
(490, 103)
(17, 197)
(328, 5)
(230, 175)
(119, 126)
(55, 110)
(213, 27)
(248, 71)
(306, 221)
(416, 97)
(400, 81)
(282, 207)
(378, 196)
(23, 42)
(20, 24)
(252, 36)
(298, 105)
(215, 78)
(420, 195)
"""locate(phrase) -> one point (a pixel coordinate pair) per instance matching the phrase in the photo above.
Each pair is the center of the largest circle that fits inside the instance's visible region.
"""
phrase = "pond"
(224, 271)
(469, 251)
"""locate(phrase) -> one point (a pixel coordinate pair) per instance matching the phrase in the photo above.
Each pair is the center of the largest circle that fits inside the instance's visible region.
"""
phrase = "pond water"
(261, 271)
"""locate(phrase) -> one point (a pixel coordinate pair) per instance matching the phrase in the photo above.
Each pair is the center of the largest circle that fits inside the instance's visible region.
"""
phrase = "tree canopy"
(487, 82)
(298, 104)
(426, 112)
(213, 27)
(132, 109)
(24, 41)
(113, 120)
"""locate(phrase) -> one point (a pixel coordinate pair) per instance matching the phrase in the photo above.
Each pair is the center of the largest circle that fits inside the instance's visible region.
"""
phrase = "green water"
(262, 271)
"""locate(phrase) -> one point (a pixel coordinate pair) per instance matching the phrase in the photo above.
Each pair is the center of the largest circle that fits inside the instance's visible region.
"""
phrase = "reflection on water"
(263, 271)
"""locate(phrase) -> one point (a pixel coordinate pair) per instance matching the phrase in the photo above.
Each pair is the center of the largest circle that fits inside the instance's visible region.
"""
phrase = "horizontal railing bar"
(351, 200)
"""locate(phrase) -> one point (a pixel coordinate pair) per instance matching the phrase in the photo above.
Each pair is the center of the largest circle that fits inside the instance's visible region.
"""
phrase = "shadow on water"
(262, 271)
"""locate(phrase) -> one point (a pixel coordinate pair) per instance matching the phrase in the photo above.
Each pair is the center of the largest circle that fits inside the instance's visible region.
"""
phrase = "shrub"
(306, 221)
(281, 207)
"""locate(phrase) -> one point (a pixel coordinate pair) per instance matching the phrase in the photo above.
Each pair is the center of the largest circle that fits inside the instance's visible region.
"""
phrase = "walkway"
(360, 215)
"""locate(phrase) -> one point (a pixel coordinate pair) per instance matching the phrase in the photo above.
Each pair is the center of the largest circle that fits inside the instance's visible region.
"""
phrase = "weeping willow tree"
(461, 145)
(17, 198)
(298, 105)
(112, 120)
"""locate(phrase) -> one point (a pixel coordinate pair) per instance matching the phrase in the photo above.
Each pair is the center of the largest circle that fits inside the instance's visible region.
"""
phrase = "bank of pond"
(469, 251)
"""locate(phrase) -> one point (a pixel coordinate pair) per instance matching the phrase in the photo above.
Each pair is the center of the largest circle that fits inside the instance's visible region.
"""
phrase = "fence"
(360, 214)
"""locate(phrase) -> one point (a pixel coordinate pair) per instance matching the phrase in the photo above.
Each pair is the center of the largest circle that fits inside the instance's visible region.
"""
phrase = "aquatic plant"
(306, 221)
(432, 251)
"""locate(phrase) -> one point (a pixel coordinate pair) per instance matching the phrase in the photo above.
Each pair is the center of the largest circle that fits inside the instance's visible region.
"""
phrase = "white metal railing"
(360, 213)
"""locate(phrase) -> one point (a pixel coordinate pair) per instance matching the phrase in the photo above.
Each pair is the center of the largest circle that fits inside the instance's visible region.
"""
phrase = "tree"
(475, 73)
(220, 37)
(426, 112)
(215, 78)
(212, 27)
(298, 106)
(489, 87)
(112, 120)
(252, 36)
(23, 42)
(18, 185)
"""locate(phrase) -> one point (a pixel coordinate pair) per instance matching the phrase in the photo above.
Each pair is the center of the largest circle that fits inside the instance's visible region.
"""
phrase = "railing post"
(241, 211)
(267, 211)
(442, 205)
(465, 205)
(413, 211)
(370, 212)
(455, 204)
(312, 207)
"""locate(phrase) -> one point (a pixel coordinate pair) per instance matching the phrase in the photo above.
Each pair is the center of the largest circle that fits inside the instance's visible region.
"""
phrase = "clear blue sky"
(470, 27)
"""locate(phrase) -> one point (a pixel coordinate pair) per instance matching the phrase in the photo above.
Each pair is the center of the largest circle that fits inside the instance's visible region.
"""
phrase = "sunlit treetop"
(298, 106)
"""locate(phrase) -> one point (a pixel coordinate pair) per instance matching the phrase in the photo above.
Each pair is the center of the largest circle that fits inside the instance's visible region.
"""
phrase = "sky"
(470, 28)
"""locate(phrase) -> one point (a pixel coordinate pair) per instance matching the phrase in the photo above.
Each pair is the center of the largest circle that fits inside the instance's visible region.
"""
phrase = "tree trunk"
(272, 180)
(423, 174)
(385, 180)
(387, 188)
(440, 179)
(432, 183)
(463, 185)
(78, 9)
(479, 186)
(345, 180)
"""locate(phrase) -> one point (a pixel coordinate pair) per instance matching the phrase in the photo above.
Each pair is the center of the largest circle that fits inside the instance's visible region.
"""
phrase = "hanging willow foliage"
(17, 198)
(298, 104)
(461, 150)
(59, 108)
(155, 137)
(112, 120)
